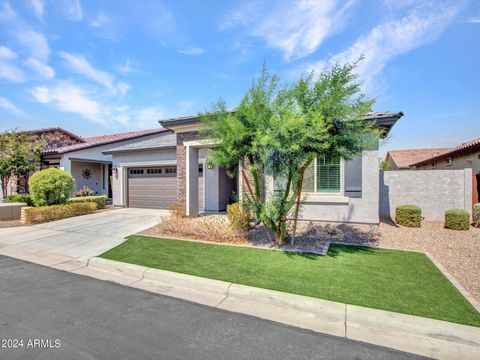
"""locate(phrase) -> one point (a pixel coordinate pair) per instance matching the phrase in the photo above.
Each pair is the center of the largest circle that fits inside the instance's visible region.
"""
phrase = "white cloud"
(79, 64)
(45, 71)
(34, 42)
(100, 20)
(68, 97)
(391, 39)
(9, 106)
(296, 28)
(37, 6)
(72, 9)
(474, 20)
(11, 72)
(127, 68)
(6, 53)
(191, 51)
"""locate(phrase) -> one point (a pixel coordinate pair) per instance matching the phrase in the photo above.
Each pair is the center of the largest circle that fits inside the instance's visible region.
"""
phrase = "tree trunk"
(5, 180)
(281, 232)
(297, 205)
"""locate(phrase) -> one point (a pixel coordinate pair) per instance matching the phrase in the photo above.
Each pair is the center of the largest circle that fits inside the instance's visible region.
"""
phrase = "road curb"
(423, 336)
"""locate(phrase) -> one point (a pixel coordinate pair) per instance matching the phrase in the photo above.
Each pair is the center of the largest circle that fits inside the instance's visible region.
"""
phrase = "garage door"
(156, 187)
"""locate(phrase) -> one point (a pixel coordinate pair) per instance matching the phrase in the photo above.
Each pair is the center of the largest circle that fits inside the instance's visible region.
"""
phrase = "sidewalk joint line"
(226, 297)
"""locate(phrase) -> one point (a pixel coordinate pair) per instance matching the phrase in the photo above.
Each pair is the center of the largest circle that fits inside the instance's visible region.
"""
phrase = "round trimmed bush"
(51, 187)
(457, 219)
(408, 215)
(476, 215)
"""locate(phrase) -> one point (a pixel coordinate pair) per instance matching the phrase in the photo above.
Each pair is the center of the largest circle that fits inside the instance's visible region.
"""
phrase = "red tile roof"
(466, 147)
(51, 129)
(404, 158)
(93, 141)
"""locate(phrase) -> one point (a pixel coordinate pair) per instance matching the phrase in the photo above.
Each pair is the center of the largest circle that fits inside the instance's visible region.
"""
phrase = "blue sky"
(98, 67)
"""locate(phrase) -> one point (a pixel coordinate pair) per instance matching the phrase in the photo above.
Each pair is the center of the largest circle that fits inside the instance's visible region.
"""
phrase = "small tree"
(18, 156)
(279, 132)
(51, 187)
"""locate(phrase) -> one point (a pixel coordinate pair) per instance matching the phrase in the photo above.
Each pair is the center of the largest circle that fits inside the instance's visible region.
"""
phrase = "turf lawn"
(393, 280)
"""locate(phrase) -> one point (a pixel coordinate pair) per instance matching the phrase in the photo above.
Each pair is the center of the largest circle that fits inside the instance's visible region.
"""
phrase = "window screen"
(328, 175)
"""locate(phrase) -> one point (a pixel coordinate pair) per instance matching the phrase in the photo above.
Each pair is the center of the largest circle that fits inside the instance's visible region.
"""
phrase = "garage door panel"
(152, 189)
(156, 189)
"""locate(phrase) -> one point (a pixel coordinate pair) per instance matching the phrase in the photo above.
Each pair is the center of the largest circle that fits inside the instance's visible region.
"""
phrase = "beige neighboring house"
(464, 156)
(402, 159)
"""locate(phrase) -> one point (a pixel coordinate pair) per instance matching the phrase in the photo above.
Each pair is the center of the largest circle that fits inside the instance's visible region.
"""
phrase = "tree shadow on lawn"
(334, 251)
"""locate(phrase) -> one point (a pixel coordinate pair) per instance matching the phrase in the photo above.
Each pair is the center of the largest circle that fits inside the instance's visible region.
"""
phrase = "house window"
(449, 161)
(327, 175)
(154, 171)
(171, 170)
(136, 171)
(434, 164)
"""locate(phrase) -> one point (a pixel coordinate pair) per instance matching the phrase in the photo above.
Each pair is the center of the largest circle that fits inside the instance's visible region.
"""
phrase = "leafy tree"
(18, 156)
(279, 131)
(51, 187)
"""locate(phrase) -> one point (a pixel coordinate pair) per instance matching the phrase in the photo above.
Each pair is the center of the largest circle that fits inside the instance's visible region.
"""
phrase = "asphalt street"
(51, 314)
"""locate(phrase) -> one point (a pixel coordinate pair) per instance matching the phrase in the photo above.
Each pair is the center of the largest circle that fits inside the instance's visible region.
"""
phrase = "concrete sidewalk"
(423, 336)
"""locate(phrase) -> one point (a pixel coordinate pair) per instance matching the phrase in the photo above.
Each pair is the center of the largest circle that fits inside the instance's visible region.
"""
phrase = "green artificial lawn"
(393, 280)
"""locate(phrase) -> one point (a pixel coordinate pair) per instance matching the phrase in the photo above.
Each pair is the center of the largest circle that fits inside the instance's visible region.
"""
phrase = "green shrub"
(101, 200)
(37, 215)
(50, 187)
(457, 219)
(239, 216)
(408, 215)
(20, 198)
(476, 215)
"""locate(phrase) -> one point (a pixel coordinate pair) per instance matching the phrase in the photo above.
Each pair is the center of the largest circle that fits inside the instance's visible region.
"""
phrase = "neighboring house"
(402, 159)
(51, 138)
(466, 155)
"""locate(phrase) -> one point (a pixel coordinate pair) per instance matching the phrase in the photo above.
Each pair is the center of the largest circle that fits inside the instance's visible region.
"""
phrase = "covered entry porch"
(92, 174)
(219, 189)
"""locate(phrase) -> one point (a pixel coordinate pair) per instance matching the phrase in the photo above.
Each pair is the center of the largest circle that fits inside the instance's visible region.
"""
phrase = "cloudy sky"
(98, 67)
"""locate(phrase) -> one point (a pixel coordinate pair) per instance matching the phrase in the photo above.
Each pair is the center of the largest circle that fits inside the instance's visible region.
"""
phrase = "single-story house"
(171, 167)
(402, 159)
(159, 167)
(466, 155)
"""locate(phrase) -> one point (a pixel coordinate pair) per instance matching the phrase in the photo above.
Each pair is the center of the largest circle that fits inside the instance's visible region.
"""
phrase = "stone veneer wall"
(182, 162)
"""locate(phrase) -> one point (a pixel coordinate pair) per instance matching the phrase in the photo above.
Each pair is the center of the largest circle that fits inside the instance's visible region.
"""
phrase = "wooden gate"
(476, 188)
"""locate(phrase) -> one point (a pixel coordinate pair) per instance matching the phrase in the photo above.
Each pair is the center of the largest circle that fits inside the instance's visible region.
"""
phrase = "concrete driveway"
(82, 236)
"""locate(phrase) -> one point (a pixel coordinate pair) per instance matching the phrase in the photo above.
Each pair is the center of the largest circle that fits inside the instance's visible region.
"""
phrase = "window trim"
(342, 181)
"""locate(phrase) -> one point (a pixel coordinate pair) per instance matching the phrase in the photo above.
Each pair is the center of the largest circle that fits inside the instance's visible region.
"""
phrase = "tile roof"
(404, 158)
(463, 148)
(51, 129)
(103, 140)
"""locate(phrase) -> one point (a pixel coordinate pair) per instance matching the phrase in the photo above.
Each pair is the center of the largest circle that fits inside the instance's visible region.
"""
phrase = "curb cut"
(414, 334)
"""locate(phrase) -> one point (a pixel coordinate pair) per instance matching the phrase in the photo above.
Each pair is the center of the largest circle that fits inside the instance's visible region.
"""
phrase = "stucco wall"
(434, 191)
(359, 210)
(95, 182)
(142, 158)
